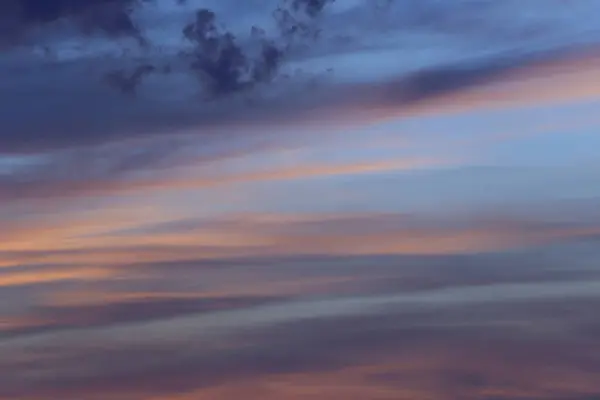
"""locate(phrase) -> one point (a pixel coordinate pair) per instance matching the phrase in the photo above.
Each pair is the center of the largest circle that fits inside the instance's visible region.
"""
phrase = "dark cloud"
(53, 106)
(73, 108)
(446, 79)
(68, 106)
(220, 62)
(110, 17)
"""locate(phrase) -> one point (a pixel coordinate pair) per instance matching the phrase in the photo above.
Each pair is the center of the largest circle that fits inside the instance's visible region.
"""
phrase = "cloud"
(70, 100)
(511, 348)
(161, 246)
(90, 141)
(51, 275)
(210, 329)
(126, 310)
(137, 166)
(23, 19)
(369, 234)
(108, 243)
(131, 161)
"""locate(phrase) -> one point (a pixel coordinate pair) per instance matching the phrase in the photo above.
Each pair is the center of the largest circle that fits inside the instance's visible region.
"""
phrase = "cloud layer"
(420, 222)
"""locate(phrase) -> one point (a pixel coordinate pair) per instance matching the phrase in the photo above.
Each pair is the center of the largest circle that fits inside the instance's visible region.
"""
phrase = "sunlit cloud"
(421, 222)
(288, 235)
(47, 275)
(202, 179)
(546, 83)
(31, 234)
(551, 83)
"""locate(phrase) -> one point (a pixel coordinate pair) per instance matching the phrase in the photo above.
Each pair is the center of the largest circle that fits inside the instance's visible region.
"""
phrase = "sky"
(407, 207)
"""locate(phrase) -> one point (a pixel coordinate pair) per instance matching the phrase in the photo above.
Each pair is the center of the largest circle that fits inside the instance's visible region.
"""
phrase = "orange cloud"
(281, 235)
(61, 230)
(202, 176)
(298, 172)
(47, 275)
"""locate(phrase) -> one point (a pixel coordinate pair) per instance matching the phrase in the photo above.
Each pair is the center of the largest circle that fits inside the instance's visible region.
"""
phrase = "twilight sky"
(408, 207)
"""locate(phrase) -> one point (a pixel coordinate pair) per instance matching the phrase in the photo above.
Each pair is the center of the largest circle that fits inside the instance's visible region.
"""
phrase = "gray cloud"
(171, 345)
(499, 348)
(66, 104)
(64, 111)
(521, 324)
(21, 18)
(53, 318)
